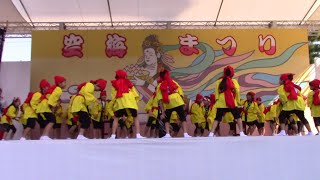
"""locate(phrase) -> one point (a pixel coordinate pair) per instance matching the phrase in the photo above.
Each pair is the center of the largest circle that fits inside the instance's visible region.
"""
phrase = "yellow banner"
(195, 58)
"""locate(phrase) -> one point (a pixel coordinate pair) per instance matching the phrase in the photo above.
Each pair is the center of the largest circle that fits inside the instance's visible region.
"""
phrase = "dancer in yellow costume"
(84, 99)
(261, 117)
(9, 114)
(314, 102)
(170, 96)
(197, 113)
(292, 103)
(125, 97)
(227, 99)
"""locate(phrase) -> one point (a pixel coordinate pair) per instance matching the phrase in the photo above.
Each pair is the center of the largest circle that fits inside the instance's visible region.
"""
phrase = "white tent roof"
(161, 10)
(41, 14)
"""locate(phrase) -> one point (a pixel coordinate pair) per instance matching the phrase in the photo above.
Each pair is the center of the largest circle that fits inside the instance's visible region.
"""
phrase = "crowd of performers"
(166, 108)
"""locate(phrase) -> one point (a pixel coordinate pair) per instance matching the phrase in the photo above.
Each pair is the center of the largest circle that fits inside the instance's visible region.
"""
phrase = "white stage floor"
(223, 158)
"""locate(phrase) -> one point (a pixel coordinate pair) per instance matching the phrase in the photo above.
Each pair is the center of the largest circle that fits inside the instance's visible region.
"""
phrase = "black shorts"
(180, 112)
(31, 123)
(285, 115)
(57, 126)
(260, 125)
(175, 127)
(84, 119)
(8, 127)
(150, 122)
(221, 111)
(316, 121)
(123, 112)
(253, 123)
(46, 118)
(97, 125)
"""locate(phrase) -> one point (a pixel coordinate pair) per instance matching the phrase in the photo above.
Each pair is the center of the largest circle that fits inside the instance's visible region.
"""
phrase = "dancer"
(197, 115)
(49, 104)
(59, 117)
(261, 117)
(152, 108)
(9, 114)
(84, 99)
(212, 112)
(36, 100)
(271, 116)
(229, 119)
(251, 112)
(314, 102)
(170, 96)
(29, 117)
(128, 123)
(292, 103)
(125, 97)
(175, 124)
(97, 115)
(227, 99)
(71, 120)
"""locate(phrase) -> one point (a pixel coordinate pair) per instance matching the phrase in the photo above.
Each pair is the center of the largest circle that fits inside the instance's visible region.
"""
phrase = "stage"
(221, 158)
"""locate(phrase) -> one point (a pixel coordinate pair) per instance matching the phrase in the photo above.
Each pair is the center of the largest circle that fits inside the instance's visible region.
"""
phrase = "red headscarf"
(229, 93)
(315, 83)
(103, 93)
(44, 83)
(253, 94)
(29, 97)
(212, 100)
(199, 98)
(167, 86)
(80, 86)
(101, 83)
(290, 77)
(59, 79)
(50, 90)
(266, 109)
(121, 83)
(289, 86)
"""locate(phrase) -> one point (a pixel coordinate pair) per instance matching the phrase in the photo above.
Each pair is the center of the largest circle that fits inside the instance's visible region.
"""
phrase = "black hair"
(223, 84)
(163, 73)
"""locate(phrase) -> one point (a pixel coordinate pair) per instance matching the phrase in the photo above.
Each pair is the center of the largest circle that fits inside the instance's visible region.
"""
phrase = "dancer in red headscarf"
(48, 104)
(314, 102)
(261, 117)
(98, 115)
(152, 108)
(170, 96)
(124, 99)
(82, 101)
(9, 114)
(227, 99)
(292, 103)
(197, 113)
(251, 112)
(51, 99)
(31, 109)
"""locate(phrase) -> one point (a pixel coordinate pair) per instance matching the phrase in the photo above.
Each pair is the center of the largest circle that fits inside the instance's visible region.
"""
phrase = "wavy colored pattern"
(188, 81)
(199, 67)
(262, 63)
(271, 62)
